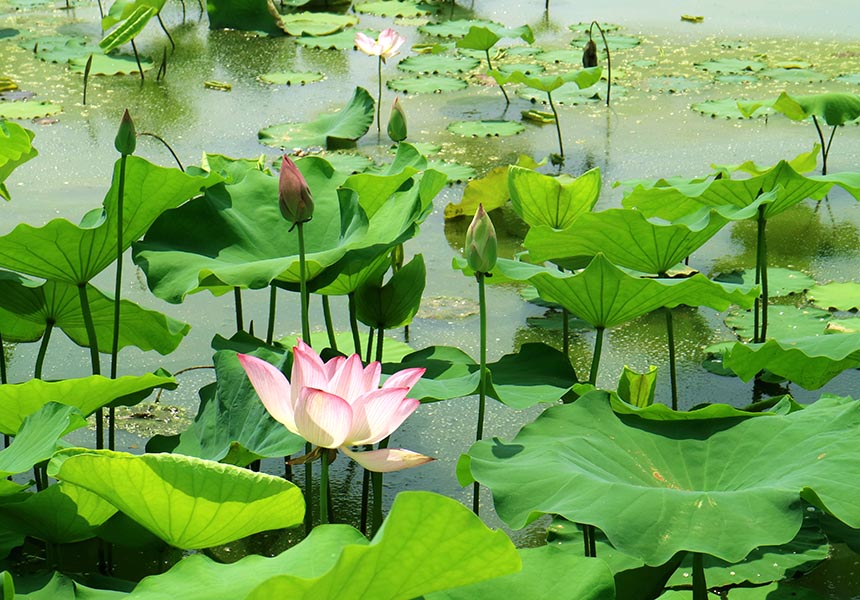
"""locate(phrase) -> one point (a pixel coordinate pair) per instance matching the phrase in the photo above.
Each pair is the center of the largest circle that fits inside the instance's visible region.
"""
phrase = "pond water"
(649, 132)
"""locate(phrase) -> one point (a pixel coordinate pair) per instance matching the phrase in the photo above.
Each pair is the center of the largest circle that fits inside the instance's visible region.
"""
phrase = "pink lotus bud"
(294, 196)
(481, 251)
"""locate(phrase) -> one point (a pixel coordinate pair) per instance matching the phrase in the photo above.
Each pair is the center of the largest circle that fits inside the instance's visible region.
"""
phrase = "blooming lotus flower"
(338, 404)
(294, 195)
(385, 47)
(481, 244)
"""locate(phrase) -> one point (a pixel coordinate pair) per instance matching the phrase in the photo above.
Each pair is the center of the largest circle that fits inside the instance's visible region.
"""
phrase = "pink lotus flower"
(338, 404)
(385, 47)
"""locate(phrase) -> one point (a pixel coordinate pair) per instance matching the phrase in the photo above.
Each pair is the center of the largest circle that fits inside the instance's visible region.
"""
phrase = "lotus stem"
(137, 58)
(329, 324)
(87, 68)
(501, 87)
(43, 348)
(482, 385)
(760, 267)
(376, 480)
(379, 95)
(670, 337)
(365, 495)
(303, 285)
(164, 29)
(166, 145)
(93, 343)
(273, 302)
(608, 58)
(353, 323)
(117, 292)
(825, 147)
(309, 491)
(557, 124)
(324, 517)
(237, 298)
(764, 282)
(101, 12)
(595, 360)
(700, 586)
(379, 338)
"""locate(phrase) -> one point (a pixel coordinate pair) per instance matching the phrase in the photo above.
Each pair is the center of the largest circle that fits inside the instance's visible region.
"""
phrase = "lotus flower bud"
(294, 196)
(126, 138)
(589, 54)
(481, 243)
(397, 122)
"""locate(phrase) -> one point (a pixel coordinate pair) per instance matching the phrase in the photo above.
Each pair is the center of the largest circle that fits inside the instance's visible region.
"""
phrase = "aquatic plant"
(386, 46)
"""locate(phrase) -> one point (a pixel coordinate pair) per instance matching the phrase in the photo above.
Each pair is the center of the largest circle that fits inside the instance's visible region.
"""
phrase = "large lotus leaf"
(426, 84)
(291, 77)
(548, 572)
(784, 322)
(491, 190)
(229, 238)
(461, 27)
(232, 425)
(396, 302)
(554, 202)
(28, 109)
(246, 15)
(780, 282)
(605, 296)
(128, 29)
(483, 38)
(450, 373)
(809, 362)
(38, 437)
(87, 394)
(63, 587)
(188, 502)
(696, 477)
(16, 148)
(428, 543)
(626, 237)
(802, 163)
(435, 63)
(123, 9)
(835, 295)
(60, 514)
(349, 123)
(835, 108)
(314, 23)
(583, 78)
(731, 65)
(66, 252)
(26, 302)
(356, 268)
(115, 64)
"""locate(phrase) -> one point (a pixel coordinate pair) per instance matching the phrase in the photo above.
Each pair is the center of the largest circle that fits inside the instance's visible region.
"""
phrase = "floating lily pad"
(28, 109)
(727, 109)
(117, 64)
(673, 85)
(459, 28)
(8, 32)
(615, 41)
(315, 24)
(427, 148)
(784, 322)
(572, 57)
(730, 65)
(60, 49)
(456, 172)
(799, 75)
(853, 78)
(485, 128)
(526, 68)
(568, 94)
(291, 77)
(585, 26)
(433, 84)
(780, 282)
(347, 162)
(837, 296)
(735, 78)
(434, 63)
(342, 40)
(643, 64)
(396, 8)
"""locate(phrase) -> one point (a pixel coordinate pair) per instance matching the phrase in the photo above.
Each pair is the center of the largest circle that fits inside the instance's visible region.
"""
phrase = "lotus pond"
(634, 282)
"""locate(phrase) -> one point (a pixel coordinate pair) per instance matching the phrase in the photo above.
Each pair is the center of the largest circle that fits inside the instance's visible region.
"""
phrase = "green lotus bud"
(481, 252)
(126, 138)
(589, 54)
(397, 122)
(294, 196)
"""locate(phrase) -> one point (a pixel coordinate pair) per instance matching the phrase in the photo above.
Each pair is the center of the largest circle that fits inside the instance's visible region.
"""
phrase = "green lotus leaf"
(395, 303)
(736, 78)
(554, 202)
(728, 109)
(437, 63)
(129, 28)
(802, 163)
(438, 544)
(62, 587)
(626, 237)
(121, 10)
(485, 128)
(569, 94)
(430, 84)
(117, 64)
(356, 268)
(342, 40)
(810, 362)
(571, 57)
(637, 389)
(783, 322)
(491, 190)
(852, 78)
(315, 24)
(292, 77)
(583, 78)
(37, 438)
(794, 75)
(63, 251)
(16, 148)
(836, 296)
(349, 123)
(460, 28)
(232, 425)
(548, 572)
(730, 65)
(529, 69)
(455, 172)
(27, 307)
(346, 162)
(779, 590)
(450, 373)
(781, 282)
(834, 107)
(674, 85)
(849, 325)
(590, 465)
(245, 15)
(28, 109)
(188, 502)
(60, 514)
(59, 48)
(396, 8)
(615, 41)
(19, 400)
(585, 26)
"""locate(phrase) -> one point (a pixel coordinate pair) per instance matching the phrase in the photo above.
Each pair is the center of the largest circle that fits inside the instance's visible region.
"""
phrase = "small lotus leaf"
(569, 94)
(347, 162)
(116, 64)
(396, 8)
(783, 322)
(38, 436)
(794, 75)
(491, 190)
(16, 148)
(60, 49)
(292, 77)
(437, 63)
(188, 502)
(736, 78)
(572, 57)
(395, 303)
(731, 65)
(460, 28)
(315, 24)
(554, 202)
(835, 108)
(615, 41)
(781, 282)
(455, 172)
(485, 128)
(674, 85)
(849, 325)
(727, 109)
(585, 26)
(836, 296)
(28, 109)
(349, 123)
(525, 68)
(342, 40)
(852, 78)
(432, 84)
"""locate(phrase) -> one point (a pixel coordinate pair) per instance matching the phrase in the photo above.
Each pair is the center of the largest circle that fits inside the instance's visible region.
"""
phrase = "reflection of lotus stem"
(353, 323)
(93, 343)
(595, 360)
(825, 148)
(490, 67)
(670, 335)
(376, 479)
(237, 298)
(117, 293)
(324, 487)
(700, 587)
(329, 325)
(557, 124)
(482, 386)
(379, 95)
(43, 347)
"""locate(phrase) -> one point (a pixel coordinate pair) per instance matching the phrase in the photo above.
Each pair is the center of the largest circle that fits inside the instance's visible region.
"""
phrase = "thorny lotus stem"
(273, 302)
(608, 57)
(353, 323)
(490, 67)
(670, 336)
(237, 298)
(329, 324)
(303, 285)
(379, 95)
(324, 518)
(482, 386)
(117, 292)
(93, 343)
(557, 124)
(43, 347)
(376, 479)
(700, 586)
(595, 360)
